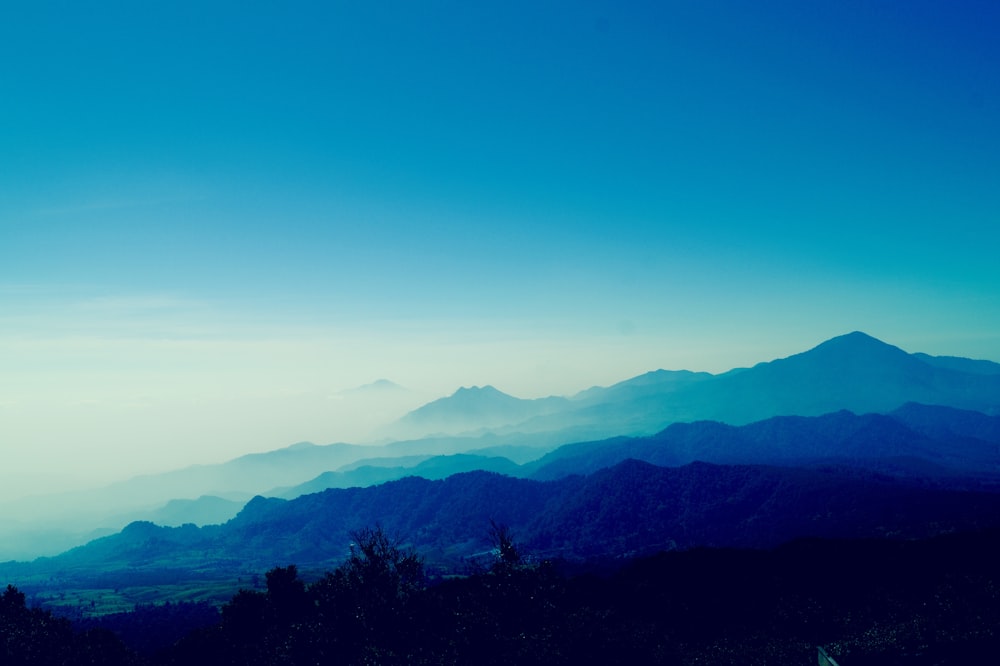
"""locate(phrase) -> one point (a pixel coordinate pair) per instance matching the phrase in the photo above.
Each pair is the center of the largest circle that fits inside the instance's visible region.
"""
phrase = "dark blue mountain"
(628, 509)
(915, 441)
(437, 467)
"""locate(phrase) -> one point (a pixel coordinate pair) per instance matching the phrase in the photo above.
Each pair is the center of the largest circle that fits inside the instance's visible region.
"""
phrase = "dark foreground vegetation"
(933, 601)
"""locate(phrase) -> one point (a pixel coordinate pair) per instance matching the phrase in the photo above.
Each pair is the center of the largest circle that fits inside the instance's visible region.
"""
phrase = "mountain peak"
(853, 338)
(472, 408)
(485, 390)
(480, 395)
(855, 343)
(381, 385)
(300, 446)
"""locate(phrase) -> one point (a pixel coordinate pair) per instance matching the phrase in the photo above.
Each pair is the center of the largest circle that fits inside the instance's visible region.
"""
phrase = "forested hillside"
(866, 602)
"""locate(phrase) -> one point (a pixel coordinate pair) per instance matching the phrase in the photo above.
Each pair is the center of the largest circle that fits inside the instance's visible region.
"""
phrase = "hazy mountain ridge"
(474, 409)
(854, 372)
(628, 509)
(961, 364)
(436, 467)
(641, 385)
(915, 441)
(206, 510)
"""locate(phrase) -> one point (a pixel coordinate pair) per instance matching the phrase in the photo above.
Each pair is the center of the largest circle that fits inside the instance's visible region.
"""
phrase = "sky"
(219, 219)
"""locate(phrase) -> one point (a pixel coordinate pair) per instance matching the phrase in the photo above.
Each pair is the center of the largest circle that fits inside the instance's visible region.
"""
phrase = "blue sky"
(217, 217)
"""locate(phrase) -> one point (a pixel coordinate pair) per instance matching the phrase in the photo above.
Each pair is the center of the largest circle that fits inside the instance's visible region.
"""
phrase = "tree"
(379, 562)
(286, 594)
(31, 636)
(371, 599)
(508, 555)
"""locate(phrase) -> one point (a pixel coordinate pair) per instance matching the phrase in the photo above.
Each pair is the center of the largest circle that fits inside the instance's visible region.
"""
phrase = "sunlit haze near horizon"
(219, 220)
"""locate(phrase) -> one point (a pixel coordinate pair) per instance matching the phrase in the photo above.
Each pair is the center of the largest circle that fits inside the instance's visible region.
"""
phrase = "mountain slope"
(855, 372)
(475, 408)
(916, 441)
(631, 508)
(436, 467)
(961, 364)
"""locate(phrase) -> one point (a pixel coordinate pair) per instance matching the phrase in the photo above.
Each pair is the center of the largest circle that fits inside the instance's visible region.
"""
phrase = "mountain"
(25, 542)
(915, 441)
(947, 422)
(631, 508)
(472, 409)
(855, 372)
(436, 467)
(378, 386)
(651, 384)
(54, 522)
(247, 475)
(206, 510)
(961, 364)
(47, 525)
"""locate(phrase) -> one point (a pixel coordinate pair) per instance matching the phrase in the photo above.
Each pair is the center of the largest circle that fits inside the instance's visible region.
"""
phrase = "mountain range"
(855, 372)
(852, 401)
(931, 443)
(629, 509)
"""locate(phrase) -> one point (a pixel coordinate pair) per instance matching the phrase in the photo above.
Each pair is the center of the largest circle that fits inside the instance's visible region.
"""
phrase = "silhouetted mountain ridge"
(961, 364)
(435, 467)
(633, 507)
(914, 441)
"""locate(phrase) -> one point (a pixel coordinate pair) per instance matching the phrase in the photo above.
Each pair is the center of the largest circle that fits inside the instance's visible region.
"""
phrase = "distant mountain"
(206, 510)
(24, 542)
(436, 467)
(247, 475)
(629, 509)
(961, 364)
(655, 383)
(855, 372)
(475, 408)
(63, 520)
(378, 386)
(915, 441)
(943, 445)
(46, 525)
(366, 475)
(940, 422)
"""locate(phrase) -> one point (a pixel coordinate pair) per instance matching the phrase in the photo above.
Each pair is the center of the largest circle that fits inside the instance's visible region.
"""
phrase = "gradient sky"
(216, 218)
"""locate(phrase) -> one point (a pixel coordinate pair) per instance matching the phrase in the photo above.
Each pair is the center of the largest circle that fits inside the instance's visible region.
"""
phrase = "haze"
(218, 222)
